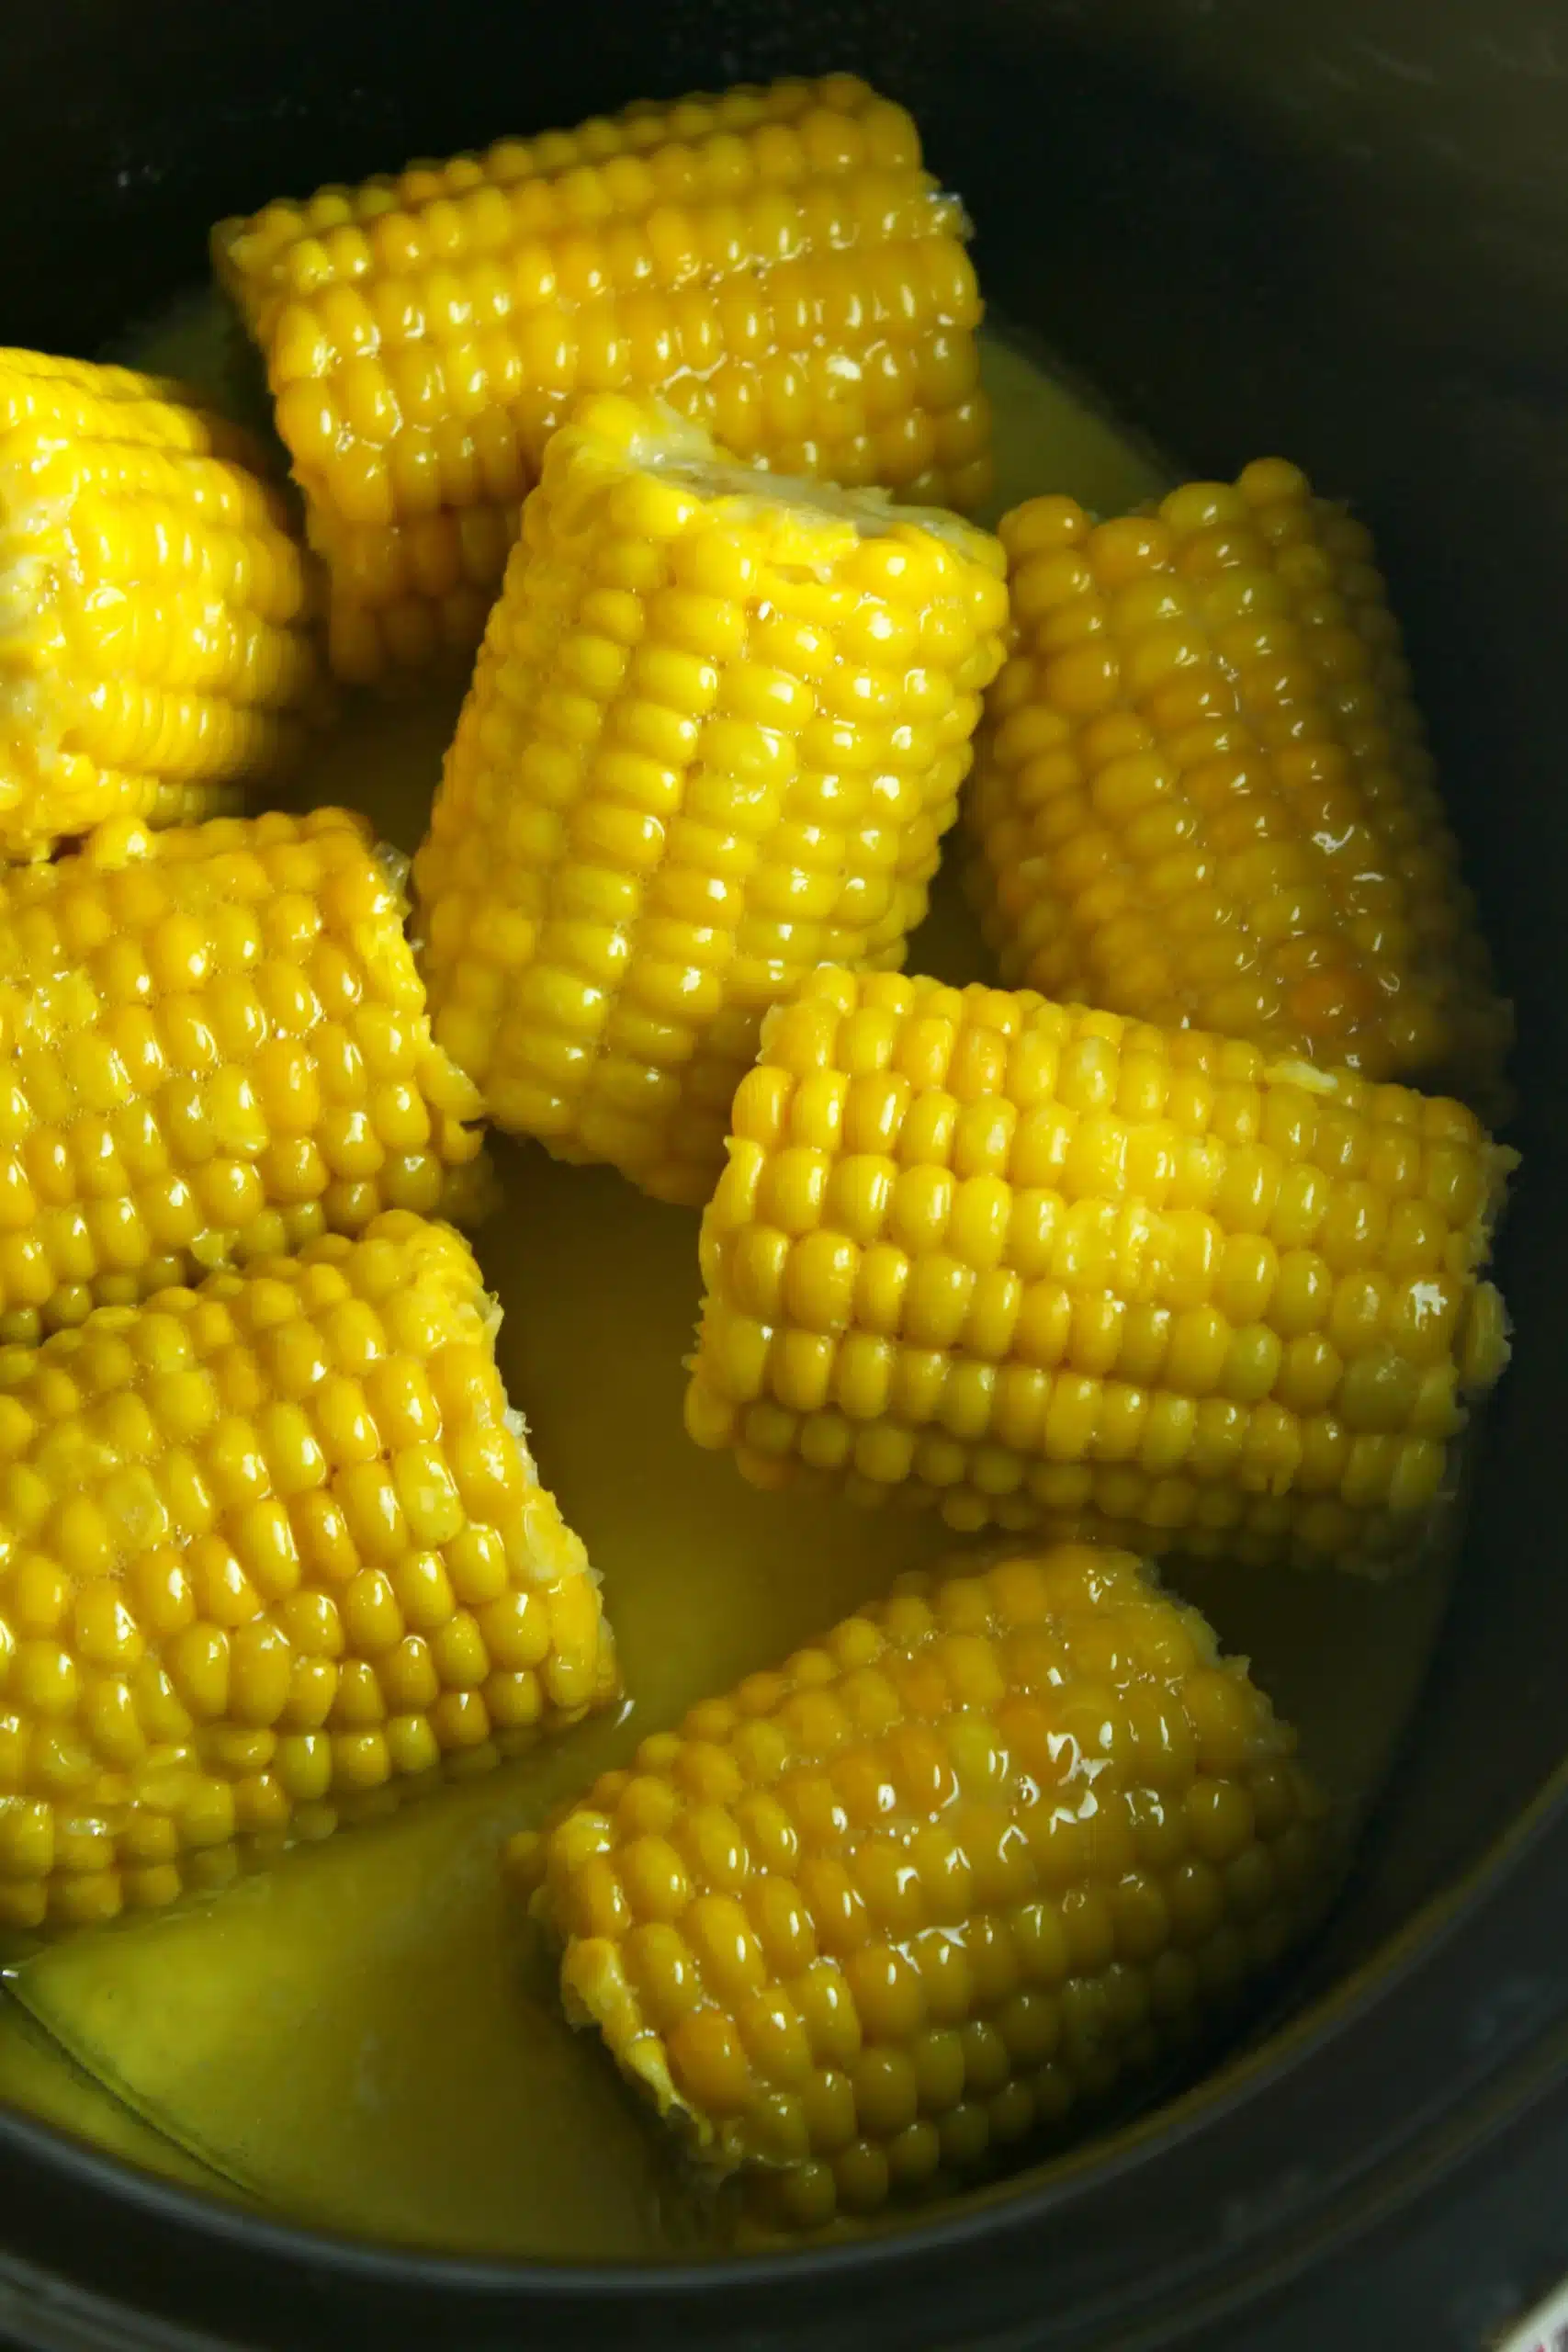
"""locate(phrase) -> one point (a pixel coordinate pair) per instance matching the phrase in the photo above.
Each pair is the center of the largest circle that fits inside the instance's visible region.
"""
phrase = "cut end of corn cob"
(776, 262)
(216, 1045)
(1045, 1267)
(715, 733)
(154, 652)
(866, 1925)
(1202, 794)
(273, 1554)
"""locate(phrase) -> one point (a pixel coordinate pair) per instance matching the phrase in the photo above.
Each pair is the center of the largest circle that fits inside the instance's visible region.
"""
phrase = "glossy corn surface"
(216, 1044)
(872, 1921)
(715, 733)
(774, 262)
(1044, 1266)
(272, 1551)
(154, 651)
(1203, 796)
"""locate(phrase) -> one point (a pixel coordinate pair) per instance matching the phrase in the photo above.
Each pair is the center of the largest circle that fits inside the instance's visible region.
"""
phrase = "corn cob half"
(1201, 794)
(154, 651)
(272, 1551)
(1048, 1267)
(717, 730)
(865, 1924)
(774, 262)
(216, 1044)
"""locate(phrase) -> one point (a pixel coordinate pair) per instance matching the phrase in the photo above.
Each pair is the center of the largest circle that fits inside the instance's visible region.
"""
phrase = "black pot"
(1335, 226)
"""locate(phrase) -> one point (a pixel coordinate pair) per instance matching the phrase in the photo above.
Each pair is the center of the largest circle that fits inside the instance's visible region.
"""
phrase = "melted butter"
(362, 2037)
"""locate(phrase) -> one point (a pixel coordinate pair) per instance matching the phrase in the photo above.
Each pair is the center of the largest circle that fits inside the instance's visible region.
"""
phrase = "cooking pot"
(1337, 229)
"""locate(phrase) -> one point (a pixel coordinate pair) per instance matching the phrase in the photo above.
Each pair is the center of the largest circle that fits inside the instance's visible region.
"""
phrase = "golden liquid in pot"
(362, 2038)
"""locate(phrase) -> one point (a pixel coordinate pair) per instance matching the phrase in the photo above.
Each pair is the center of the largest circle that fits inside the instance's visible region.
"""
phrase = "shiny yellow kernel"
(944, 1945)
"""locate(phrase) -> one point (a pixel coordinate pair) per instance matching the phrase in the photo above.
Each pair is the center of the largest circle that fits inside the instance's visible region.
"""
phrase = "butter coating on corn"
(215, 1044)
(868, 1923)
(272, 1551)
(154, 647)
(715, 733)
(774, 262)
(1202, 792)
(1044, 1266)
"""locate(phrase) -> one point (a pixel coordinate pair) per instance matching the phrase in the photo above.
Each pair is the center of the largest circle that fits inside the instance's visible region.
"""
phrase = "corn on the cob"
(216, 1044)
(716, 730)
(271, 1550)
(1201, 792)
(776, 262)
(1048, 1267)
(865, 1925)
(153, 646)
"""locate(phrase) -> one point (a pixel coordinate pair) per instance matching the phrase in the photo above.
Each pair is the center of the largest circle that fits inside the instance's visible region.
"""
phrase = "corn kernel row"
(336, 236)
(82, 399)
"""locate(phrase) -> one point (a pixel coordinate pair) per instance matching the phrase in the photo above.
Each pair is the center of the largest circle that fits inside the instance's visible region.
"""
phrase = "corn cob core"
(215, 1044)
(867, 1922)
(272, 1551)
(1044, 1266)
(154, 645)
(717, 730)
(774, 262)
(1201, 794)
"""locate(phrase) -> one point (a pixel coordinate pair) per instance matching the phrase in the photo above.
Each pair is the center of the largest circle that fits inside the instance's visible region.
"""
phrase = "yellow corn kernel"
(407, 596)
(1203, 794)
(215, 1044)
(973, 1857)
(715, 733)
(1047, 1267)
(774, 262)
(184, 1703)
(154, 649)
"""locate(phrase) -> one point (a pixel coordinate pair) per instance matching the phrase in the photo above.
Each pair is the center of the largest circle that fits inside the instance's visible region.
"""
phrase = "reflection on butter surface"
(37, 2076)
(356, 2037)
